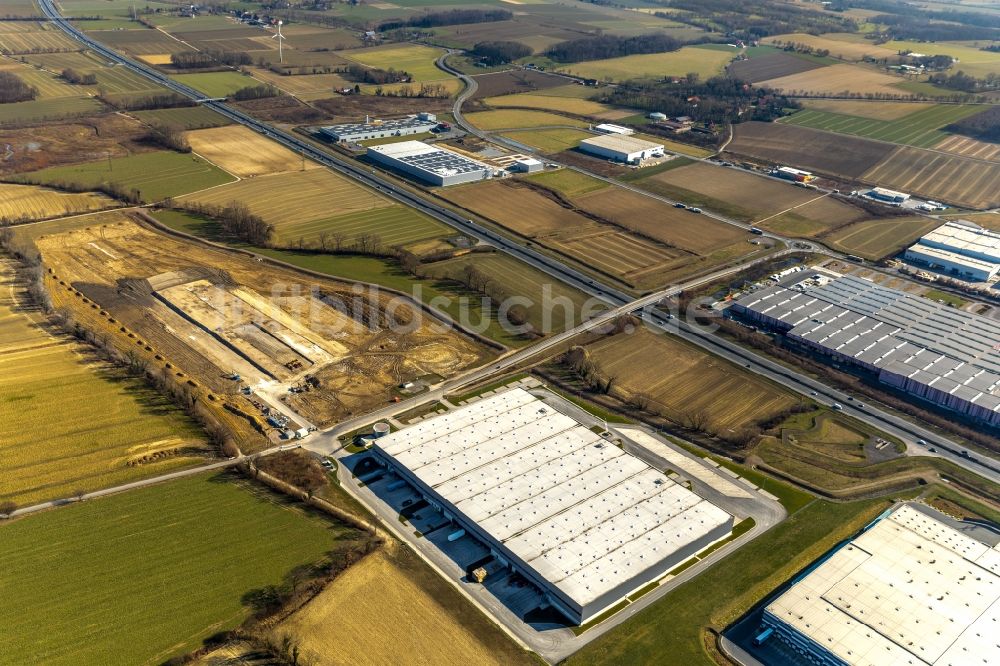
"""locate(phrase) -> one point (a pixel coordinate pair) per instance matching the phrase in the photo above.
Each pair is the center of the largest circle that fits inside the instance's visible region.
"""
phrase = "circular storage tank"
(381, 429)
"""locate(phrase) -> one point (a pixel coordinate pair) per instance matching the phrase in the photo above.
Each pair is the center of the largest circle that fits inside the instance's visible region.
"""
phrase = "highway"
(554, 268)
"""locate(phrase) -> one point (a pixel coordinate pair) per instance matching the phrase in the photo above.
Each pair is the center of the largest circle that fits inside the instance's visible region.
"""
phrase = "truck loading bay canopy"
(579, 512)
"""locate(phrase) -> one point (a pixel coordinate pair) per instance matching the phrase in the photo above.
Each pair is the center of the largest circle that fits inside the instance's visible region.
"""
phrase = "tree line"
(374, 75)
(158, 101)
(449, 17)
(609, 46)
(209, 58)
(235, 219)
(70, 75)
(255, 92)
(984, 126)
(769, 17)
(13, 89)
(964, 82)
(720, 99)
(494, 53)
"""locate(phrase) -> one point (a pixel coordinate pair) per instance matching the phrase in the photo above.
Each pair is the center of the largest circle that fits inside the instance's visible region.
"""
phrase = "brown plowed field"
(139, 42)
(517, 81)
(876, 109)
(630, 258)
(760, 198)
(243, 152)
(771, 67)
(851, 47)
(683, 381)
(836, 79)
(963, 145)
(83, 140)
(954, 179)
(672, 226)
(834, 154)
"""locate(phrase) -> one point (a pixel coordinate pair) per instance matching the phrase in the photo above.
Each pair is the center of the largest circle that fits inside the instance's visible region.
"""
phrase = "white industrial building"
(621, 148)
(380, 129)
(527, 165)
(889, 196)
(909, 590)
(608, 128)
(431, 164)
(967, 251)
(946, 356)
(584, 521)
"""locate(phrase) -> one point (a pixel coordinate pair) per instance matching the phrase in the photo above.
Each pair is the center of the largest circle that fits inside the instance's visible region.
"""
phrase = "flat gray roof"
(582, 513)
(907, 335)
(378, 126)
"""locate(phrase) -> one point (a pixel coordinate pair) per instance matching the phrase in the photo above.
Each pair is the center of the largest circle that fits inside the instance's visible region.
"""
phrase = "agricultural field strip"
(952, 178)
(921, 128)
(787, 210)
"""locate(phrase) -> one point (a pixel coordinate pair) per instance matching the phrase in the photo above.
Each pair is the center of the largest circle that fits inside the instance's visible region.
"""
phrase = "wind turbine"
(280, 38)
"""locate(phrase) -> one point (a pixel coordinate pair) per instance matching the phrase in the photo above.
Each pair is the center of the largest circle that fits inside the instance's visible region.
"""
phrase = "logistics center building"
(430, 164)
(965, 250)
(621, 148)
(910, 590)
(584, 521)
(941, 354)
(380, 129)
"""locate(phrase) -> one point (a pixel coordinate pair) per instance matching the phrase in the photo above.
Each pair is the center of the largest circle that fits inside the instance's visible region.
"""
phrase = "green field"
(707, 62)
(217, 84)
(157, 175)
(549, 140)
(875, 239)
(416, 60)
(142, 576)
(569, 182)
(186, 118)
(394, 225)
(68, 422)
(726, 590)
(48, 109)
(920, 129)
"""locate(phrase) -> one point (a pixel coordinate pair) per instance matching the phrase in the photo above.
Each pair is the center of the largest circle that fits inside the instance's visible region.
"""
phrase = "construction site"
(285, 351)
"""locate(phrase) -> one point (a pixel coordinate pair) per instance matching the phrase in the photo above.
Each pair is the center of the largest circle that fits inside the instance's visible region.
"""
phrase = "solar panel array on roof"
(909, 590)
(945, 355)
(431, 163)
(581, 514)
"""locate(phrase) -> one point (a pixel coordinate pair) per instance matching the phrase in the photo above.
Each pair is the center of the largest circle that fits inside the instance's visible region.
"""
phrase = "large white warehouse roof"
(580, 512)
(621, 143)
(965, 240)
(909, 590)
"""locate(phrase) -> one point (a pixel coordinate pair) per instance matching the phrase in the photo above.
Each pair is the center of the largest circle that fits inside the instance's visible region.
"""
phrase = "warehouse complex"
(584, 521)
(621, 148)
(380, 129)
(430, 164)
(908, 590)
(962, 249)
(946, 356)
